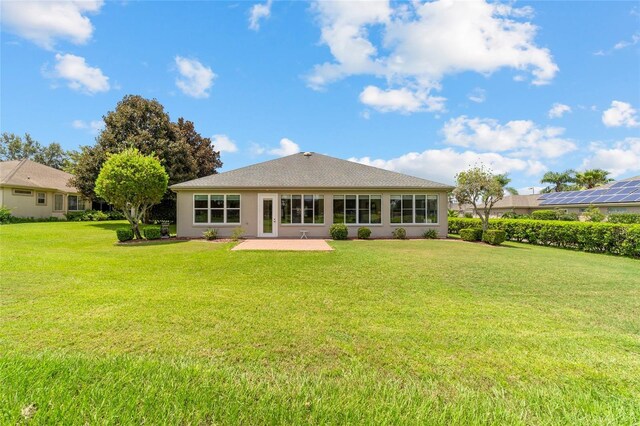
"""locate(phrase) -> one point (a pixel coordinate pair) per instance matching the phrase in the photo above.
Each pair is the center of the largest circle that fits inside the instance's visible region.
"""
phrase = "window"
(58, 202)
(74, 203)
(617, 210)
(26, 192)
(216, 208)
(417, 208)
(41, 198)
(304, 208)
(357, 209)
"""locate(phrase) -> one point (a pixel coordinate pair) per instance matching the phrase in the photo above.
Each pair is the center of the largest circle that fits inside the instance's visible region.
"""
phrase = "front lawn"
(375, 332)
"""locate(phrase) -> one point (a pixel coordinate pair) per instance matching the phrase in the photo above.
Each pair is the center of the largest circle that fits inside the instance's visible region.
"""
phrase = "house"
(310, 192)
(31, 189)
(615, 197)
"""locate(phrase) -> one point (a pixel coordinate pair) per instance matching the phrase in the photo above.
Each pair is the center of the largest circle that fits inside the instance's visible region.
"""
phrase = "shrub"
(544, 215)
(510, 215)
(612, 238)
(468, 215)
(471, 234)
(124, 234)
(399, 234)
(494, 236)
(624, 218)
(5, 215)
(592, 214)
(567, 217)
(364, 233)
(115, 215)
(430, 234)
(237, 233)
(339, 231)
(210, 234)
(86, 215)
(151, 232)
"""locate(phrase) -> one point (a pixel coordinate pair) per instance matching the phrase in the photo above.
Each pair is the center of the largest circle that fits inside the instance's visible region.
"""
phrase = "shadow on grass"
(146, 243)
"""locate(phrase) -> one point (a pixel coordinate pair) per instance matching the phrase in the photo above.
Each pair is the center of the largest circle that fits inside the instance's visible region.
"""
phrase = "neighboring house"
(310, 192)
(622, 196)
(616, 197)
(520, 204)
(30, 189)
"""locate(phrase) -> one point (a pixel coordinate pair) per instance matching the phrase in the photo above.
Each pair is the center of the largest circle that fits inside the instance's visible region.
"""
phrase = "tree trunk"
(136, 230)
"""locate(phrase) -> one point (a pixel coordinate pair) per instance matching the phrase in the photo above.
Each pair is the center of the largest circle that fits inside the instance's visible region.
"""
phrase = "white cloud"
(620, 158)
(400, 100)
(521, 138)
(196, 79)
(477, 95)
(94, 126)
(43, 22)
(287, 147)
(626, 43)
(620, 114)
(527, 190)
(257, 13)
(558, 110)
(224, 144)
(79, 75)
(443, 164)
(423, 42)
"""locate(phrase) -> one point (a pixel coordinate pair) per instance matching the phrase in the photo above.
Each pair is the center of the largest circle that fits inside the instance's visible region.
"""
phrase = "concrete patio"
(284, 245)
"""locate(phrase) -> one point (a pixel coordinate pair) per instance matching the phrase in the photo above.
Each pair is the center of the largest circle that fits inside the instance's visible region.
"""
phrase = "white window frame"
(344, 209)
(413, 212)
(38, 203)
(225, 208)
(302, 222)
(61, 209)
(78, 198)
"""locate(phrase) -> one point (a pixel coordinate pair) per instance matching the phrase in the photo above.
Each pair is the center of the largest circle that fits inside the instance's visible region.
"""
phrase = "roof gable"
(29, 174)
(310, 170)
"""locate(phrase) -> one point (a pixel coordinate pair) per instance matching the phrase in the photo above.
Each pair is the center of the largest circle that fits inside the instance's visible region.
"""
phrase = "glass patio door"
(267, 218)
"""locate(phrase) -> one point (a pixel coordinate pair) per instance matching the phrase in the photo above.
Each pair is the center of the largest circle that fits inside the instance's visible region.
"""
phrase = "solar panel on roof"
(617, 198)
(618, 185)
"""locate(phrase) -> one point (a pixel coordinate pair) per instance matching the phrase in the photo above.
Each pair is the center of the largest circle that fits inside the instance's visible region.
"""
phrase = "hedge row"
(618, 239)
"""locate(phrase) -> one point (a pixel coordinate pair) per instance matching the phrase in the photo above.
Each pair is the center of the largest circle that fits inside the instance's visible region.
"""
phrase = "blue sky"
(422, 88)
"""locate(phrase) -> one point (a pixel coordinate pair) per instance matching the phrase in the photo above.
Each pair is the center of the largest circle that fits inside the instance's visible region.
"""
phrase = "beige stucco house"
(30, 189)
(307, 193)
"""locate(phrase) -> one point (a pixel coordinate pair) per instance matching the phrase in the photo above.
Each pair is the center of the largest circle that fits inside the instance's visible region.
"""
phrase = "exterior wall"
(25, 205)
(605, 209)
(249, 215)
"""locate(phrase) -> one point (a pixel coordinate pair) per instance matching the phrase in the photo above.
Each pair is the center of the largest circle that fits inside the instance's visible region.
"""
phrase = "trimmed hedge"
(339, 231)
(124, 234)
(364, 233)
(152, 232)
(624, 218)
(544, 215)
(471, 234)
(594, 237)
(494, 236)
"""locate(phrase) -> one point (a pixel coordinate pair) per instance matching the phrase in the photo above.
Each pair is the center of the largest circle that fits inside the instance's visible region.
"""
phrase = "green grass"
(375, 332)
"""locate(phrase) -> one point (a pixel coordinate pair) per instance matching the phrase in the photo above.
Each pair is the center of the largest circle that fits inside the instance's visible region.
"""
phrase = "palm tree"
(504, 180)
(560, 181)
(592, 178)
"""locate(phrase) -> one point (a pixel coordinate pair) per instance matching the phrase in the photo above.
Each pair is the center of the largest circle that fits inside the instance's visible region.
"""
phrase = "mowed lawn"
(375, 332)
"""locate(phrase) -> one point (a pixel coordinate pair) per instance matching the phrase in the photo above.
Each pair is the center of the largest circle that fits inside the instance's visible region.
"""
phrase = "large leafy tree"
(143, 124)
(15, 147)
(132, 183)
(480, 188)
(559, 181)
(592, 178)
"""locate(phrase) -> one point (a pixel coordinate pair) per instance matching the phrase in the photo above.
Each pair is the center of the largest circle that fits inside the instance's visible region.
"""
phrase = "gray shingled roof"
(29, 174)
(312, 171)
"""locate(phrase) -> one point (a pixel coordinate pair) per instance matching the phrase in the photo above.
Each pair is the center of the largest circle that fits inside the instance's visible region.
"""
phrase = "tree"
(14, 147)
(480, 188)
(560, 181)
(592, 178)
(133, 183)
(143, 124)
(504, 180)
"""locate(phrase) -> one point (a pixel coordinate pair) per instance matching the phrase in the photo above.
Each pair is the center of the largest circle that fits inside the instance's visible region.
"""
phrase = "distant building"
(616, 197)
(31, 189)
